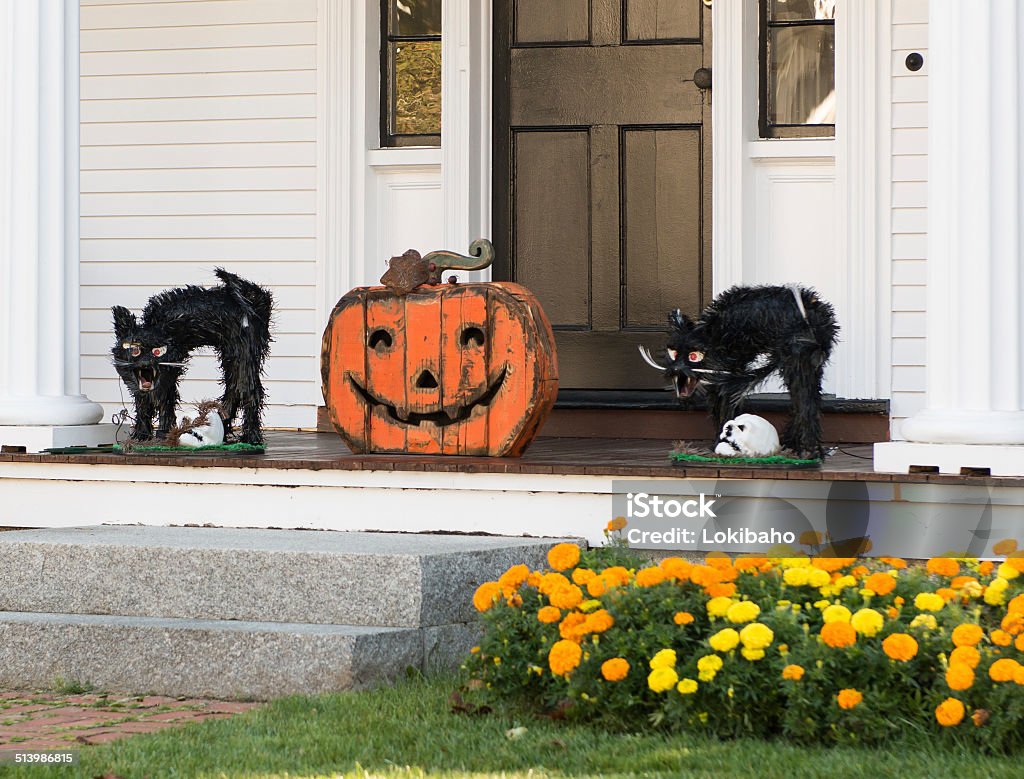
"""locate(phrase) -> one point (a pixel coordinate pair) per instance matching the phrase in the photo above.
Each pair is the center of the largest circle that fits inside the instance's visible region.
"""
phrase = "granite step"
(288, 576)
(212, 658)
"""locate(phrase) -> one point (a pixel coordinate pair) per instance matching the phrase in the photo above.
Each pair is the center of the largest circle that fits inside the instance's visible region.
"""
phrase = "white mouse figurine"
(206, 430)
(748, 435)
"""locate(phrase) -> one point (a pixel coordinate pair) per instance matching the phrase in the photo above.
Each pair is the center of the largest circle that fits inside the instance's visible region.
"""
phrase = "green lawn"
(408, 731)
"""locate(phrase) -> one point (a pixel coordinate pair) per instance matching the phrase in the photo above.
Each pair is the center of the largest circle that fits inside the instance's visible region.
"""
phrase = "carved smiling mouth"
(440, 418)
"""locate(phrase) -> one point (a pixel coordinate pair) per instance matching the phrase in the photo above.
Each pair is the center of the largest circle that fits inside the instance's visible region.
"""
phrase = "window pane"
(417, 95)
(802, 78)
(797, 10)
(415, 17)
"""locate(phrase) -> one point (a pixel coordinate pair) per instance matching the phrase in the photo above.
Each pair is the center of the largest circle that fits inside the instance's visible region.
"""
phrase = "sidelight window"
(410, 72)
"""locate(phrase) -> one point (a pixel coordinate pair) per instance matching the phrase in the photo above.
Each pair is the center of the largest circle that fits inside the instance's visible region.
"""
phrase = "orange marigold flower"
(986, 567)
(1005, 547)
(949, 713)
(894, 562)
(838, 634)
(946, 593)
(893, 612)
(721, 590)
(750, 563)
(959, 582)
(676, 568)
(582, 576)
(550, 582)
(1003, 670)
(513, 578)
(485, 595)
(1016, 605)
(564, 657)
(1013, 623)
(1001, 638)
(900, 646)
(566, 597)
(534, 579)
(573, 627)
(959, 676)
(616, 576)
(596, 587)
(599, 621)
(561, 557)
(967, 634)
(880, 583)
(1019, 643)
(1016, 560)
(615, 670)
(967, 655)
(683, 618)
(794, 672)
(549, 614)
(859, 571)
(718, 560)
(648, 577)
(899, 600)
(849, 698)
(943, 566)
(616, 524)
(1018, 675)
(704, 575)
(831, 564)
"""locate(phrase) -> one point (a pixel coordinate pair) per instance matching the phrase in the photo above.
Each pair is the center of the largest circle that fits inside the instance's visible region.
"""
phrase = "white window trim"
(862, 167)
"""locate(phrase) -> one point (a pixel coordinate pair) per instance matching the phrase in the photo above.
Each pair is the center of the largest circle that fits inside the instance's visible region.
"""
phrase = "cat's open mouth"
(145, 378)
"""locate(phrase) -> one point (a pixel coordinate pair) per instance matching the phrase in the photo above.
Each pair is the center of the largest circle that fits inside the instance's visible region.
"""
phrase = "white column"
(975, 374)
(40, 400)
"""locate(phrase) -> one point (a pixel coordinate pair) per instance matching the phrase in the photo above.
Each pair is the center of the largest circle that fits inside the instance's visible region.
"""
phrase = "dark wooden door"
(602, 173)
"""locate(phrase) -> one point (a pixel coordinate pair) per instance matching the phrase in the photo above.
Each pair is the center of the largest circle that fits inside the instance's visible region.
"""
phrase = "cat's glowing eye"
(160, 351)
(136, 350)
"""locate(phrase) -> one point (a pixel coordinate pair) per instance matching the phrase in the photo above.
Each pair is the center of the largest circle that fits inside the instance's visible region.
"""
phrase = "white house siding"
(909, 207)
(199, 149)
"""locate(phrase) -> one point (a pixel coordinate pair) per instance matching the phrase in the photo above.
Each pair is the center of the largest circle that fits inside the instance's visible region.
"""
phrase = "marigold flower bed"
(817, 650)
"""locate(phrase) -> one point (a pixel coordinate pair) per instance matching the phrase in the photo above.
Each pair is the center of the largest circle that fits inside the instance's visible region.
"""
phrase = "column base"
(36, 438)
(999, 459)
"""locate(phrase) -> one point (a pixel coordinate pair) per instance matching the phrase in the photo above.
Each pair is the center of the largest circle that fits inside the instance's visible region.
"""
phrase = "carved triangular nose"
(426, 380)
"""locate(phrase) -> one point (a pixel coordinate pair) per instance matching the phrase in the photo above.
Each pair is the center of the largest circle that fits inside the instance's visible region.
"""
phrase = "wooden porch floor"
(633, 458)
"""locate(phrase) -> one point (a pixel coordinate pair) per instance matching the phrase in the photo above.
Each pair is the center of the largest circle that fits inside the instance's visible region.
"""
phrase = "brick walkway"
(50, 721)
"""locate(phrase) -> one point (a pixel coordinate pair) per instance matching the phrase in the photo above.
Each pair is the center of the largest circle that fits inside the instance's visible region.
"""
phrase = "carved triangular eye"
(696, 356)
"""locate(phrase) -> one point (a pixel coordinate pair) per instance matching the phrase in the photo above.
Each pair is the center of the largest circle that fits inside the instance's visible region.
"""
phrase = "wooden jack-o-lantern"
(431, 368)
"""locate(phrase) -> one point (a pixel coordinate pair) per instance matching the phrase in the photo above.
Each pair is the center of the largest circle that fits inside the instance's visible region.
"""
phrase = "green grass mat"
(147, 449)
(773, 460)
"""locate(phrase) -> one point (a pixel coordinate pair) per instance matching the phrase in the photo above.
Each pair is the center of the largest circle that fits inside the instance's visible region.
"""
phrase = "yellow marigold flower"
(838, 635)
(794, 672)
(676, 568)
(573, 627)
(564, 657)
(1007, 571)
(966, 655)
(683, 618)
(1001, 638)
(849, 698)
(581, 576)
(818, 578)
(549, 614)
(485, 595)
(744, 611)
(752, 654)
(665, 658)
(836, 613)
(967, 634)
(959, 676)
(1003, 670)
(845, 581)
(589, 605)
(756, 636)
(649, 577)
(929, 601)
(995, 596)
(708, 666)
(796, 577)
(943, 566)
(926, 621)
(867, 622)
(880, 583)
(562, 557)
(900, 646)
(719, 607)
(724, 640)
(662, 679)
(566, 597)
(687, 686)
(599, 621)
(615, 670)
(949, 713)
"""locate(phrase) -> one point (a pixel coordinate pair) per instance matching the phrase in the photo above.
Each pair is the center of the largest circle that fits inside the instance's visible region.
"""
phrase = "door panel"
(602, 198)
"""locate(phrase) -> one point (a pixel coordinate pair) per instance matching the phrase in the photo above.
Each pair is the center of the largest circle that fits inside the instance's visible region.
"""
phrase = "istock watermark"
(844, 518)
